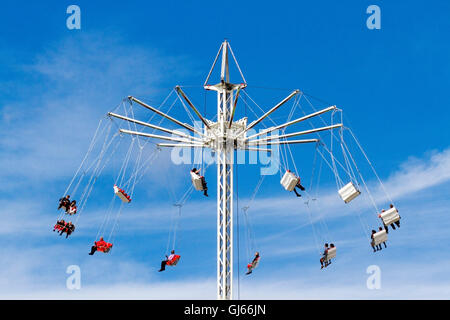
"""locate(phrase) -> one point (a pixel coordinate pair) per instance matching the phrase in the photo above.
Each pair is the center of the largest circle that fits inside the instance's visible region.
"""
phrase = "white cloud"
(45, 133)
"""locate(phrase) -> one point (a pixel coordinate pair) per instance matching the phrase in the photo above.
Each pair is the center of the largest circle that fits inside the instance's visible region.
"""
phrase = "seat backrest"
(380, 237)
(331, 253)
(349, 192)
(289, 181)
(197, 181)
(390, 216)
(174, 260)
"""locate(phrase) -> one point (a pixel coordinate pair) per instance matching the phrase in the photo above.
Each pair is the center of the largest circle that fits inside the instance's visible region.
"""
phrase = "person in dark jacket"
(298, 185)
(384, 242)
(205, 187)
(252, 265)
(64, 202)
(378, 246)
(324, 256)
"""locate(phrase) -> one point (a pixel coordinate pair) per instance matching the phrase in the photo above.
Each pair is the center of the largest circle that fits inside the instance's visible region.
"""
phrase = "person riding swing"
(64, 202)
(101, 246)
(324, 258)
(195, 173)
(254, 263)
(170, 260)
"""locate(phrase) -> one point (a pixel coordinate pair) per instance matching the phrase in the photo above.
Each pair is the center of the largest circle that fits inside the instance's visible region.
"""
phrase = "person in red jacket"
(100, 245)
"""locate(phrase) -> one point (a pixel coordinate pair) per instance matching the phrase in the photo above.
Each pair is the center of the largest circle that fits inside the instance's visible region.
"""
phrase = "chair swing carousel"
(105, 143)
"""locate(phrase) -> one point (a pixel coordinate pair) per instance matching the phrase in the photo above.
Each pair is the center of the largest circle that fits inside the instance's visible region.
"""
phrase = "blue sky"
(56, 84)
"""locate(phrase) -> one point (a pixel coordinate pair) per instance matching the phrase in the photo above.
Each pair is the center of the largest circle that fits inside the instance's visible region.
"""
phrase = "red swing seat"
(103, 246)
(173, 261)
(58, 227)
(253, 265)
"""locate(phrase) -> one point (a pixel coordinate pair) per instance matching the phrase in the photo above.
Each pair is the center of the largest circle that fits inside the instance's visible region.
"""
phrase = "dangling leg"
(300, 186)
(205, 187)
(298, 195)
(163, 265)
(385, 244)
(93, 249)
(397, 223)
(321, 263)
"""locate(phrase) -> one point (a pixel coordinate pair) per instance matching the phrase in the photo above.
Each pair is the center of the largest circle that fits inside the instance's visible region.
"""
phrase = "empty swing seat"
(174, 260)
(349, 192)
(289, 181)
(389, 216)
(122, 194)
(197, 181)
(379, 237)
(331, 253)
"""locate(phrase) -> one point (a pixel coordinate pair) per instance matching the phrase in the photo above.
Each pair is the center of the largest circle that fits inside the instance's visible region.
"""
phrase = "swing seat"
(105, 247)
(197, 181)
(253, 265)
(122, 194)
(173, 261)
(289, 181)
(389, 216)
(331, 253)
(72, 210)
(379, 237)
(58, 227)
(349, 192)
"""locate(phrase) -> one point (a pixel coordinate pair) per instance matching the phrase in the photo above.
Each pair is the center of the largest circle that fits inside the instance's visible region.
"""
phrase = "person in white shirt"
(196, 173)
(164, 262)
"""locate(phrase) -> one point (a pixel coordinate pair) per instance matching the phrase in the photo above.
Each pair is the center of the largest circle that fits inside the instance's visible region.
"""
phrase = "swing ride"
(225, 136)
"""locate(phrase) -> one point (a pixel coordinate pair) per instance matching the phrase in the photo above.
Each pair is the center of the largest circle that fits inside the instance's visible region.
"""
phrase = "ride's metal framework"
(224, 136)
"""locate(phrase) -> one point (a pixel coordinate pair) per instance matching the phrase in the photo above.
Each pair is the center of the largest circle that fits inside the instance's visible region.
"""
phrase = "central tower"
(224, 141)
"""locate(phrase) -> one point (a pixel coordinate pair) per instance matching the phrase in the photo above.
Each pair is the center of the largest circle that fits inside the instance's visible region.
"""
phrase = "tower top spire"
(225, 49)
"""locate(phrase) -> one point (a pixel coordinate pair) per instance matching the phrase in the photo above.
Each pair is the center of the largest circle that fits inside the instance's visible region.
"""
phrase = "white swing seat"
(331, 253)
(197, 181)
(349, 192)
(121, 194)
(289, 181)
(390, 216)
(379, 237)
